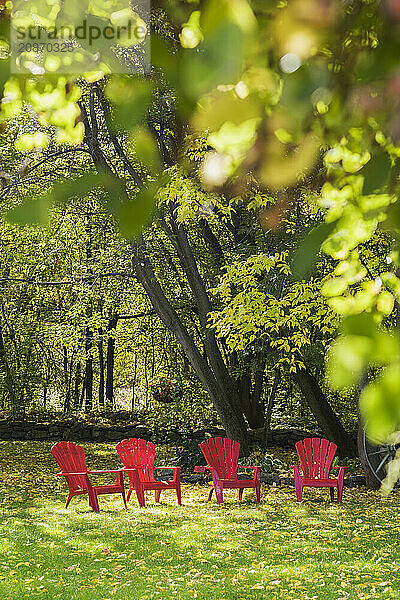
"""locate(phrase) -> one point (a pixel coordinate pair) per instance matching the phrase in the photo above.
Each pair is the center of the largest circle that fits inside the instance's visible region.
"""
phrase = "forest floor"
(237, 551)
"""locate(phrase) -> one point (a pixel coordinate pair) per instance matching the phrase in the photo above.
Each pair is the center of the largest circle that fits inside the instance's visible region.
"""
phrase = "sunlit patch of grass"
(278, 549)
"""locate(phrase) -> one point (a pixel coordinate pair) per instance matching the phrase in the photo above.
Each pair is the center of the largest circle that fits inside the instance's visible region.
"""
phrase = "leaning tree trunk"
(216, 379)
(231, 418)
(328, 421)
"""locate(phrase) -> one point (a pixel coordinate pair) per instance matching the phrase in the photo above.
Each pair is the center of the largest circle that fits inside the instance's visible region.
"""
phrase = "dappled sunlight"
(277, 549)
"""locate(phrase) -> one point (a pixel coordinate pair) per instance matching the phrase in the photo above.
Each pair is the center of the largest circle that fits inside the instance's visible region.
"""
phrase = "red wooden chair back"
(139, 454)
(71, 459)
(316, 456)
(222, 454)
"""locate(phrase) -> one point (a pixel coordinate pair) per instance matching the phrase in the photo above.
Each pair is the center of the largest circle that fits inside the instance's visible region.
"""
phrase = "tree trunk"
(5, 367)
(112, 324)
(270, 406)
(67, 399)
(211, 370)
(245, 397)
(251, 400)
(101, 369)
(257, 401)
(231, 418)
(134, 384)
(89, 370)
(328, 421)
(363, 444)
(77, 382)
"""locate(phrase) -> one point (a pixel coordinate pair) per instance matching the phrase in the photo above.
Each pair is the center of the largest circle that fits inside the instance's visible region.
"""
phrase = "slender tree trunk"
(67, 400)
(5, 367)
(77, 382)
(112, 324)
(101, 369)
(89, 370)
(82, 396)
(328, 421)
(134, 384)
(146, 377)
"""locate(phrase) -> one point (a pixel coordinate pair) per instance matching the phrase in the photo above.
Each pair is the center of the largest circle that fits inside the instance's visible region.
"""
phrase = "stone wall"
(80, 431)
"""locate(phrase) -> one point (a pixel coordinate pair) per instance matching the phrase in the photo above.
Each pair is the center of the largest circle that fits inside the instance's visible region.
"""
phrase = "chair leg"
(340, 484)
(136, 485)
(93, 501)
(157, 495)
(258, 494)
(129, 493)
(332, 493)
(123, 496)
(220, 496)
(70, 496)
(240, 494)
(299, 490)
(120, 482)
(217, 487)
(339, 492)
(210, 494)
(178, 493)
(140, 495)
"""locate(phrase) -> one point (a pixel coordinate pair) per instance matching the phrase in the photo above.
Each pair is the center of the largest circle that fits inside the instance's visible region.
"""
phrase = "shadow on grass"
(278, 549)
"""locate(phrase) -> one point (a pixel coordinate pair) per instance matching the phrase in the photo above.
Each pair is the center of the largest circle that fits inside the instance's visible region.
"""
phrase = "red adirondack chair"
(72, 462)
(222, 456)
(138, 457)
(316, 456)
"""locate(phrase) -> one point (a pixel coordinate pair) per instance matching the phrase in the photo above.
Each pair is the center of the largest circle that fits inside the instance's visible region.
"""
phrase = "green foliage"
(306, 253)
(268, 462)
(287, 315)
(379, 403)
(188, 456)
(295, 105)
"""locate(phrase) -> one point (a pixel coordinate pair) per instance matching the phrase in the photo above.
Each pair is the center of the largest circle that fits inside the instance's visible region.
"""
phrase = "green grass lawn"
(278, 549)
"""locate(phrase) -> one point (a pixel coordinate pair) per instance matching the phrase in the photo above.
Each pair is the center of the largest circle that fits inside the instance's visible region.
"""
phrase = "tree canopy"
(226, 205)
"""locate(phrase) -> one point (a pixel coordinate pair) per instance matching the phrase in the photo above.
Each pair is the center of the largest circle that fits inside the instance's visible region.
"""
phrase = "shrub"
(267, 462)
(189, 455)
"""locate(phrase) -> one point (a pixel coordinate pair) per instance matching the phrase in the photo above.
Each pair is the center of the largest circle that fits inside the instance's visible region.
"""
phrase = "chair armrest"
(257, 471)
(200, 469)
(66, 474)
(105, 471)
(167, 468)
(90, 472)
